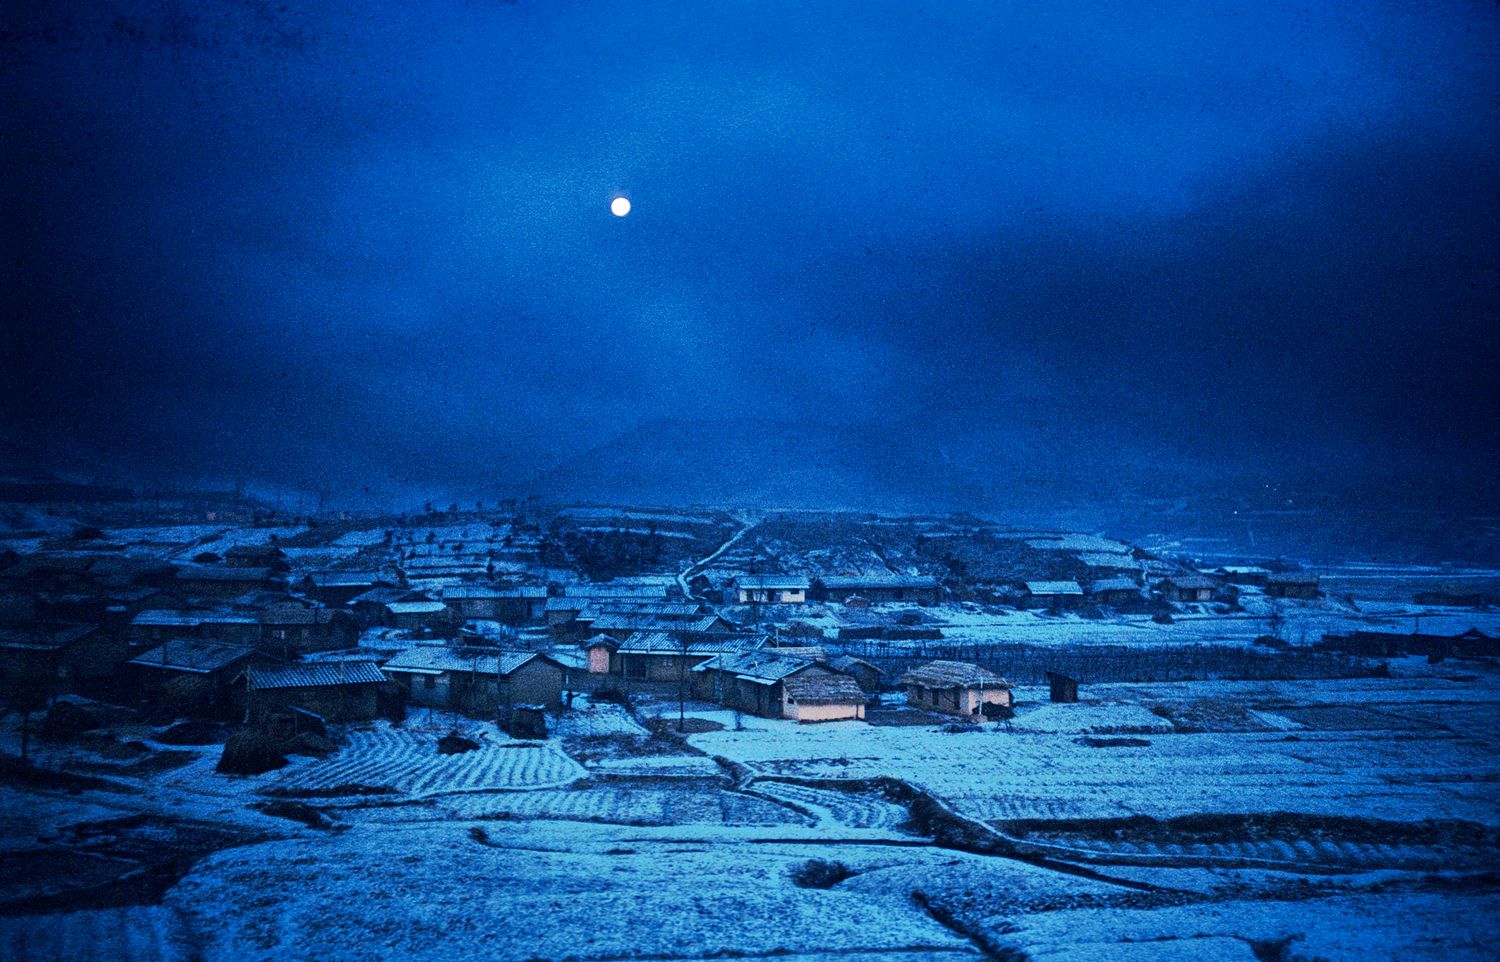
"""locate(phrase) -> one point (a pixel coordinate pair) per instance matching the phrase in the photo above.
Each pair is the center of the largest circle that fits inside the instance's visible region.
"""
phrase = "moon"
(620, 206)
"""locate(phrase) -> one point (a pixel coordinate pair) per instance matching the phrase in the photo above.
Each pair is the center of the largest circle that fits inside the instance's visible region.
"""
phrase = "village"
(1084, 723)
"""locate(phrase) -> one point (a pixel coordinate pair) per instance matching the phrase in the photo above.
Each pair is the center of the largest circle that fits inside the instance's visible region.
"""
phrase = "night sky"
(366, 243)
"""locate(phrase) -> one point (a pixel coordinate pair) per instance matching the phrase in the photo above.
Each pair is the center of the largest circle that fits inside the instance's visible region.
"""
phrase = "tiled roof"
(192, 655)
(438, 658)
(327, 675)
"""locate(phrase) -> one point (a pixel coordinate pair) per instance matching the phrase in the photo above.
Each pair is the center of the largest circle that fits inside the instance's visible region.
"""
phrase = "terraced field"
(409, 763)
(624, 805)
(836, 809)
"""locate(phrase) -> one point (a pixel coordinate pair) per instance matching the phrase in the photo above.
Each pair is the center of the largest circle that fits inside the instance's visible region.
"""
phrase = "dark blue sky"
(335, 241)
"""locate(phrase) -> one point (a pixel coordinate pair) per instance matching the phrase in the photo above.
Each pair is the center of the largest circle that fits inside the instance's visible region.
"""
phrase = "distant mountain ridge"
(767, 464)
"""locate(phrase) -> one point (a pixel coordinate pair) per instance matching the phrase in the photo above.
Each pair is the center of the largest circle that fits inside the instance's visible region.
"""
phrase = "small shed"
(1063, 688)
(1293, 584)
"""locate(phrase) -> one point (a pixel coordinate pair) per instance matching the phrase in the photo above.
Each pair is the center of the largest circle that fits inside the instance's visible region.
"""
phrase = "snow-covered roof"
(415, 607)
(433, 659)
(1054, 587)
(773, 582)
(824, 690)
(192, 655)
(327, 675)
(953, 674)
(669, 643)
(865, 582)
(1114, 584)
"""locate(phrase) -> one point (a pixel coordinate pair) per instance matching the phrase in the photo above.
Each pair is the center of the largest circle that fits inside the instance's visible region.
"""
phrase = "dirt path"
(690, 570)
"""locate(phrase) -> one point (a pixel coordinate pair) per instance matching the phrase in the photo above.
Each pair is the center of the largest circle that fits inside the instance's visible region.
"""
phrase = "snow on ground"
(1355, 928)
(1361, 757)
(135, 934)
(537, 890)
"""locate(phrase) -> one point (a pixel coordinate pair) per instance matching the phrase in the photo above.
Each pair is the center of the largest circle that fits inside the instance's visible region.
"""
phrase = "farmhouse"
(768, 590)
(775, 686)
(45, 658)
(1293, 584)
(477, 680)
(153, 626)
(1115, 591)
(1053, 594)
(288, 630)
(955, 688)
(663, 656)
(340, 587)
(189, 674)
(214, 583)
(1187, 588)
(340, 691)
(416, 615)
(516, 605)
(1244, 574)
(879, 589)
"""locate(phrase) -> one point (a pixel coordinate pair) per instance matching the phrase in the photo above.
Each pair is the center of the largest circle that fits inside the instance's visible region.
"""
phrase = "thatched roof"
(824, 690)
(953, 674)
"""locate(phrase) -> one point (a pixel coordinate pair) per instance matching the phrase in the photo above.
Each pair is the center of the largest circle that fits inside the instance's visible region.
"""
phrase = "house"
(880, 589)
(1293, 584)
(561, 611)
(288, 630)
(191, 675)
(155, 625)
(768, 590)
(56, 657)
(516, 605)
(341, 691)
(1390, 644)
(220, 584)
(416, 615)
(1062, 688)
(768, 685)
(1187, 588)
(621, 624)
(1116, 591)
(1244, 574)
(813, 697)
(478, 681)
(1052, 594)
(341, 587)
(369, 606)
(663, 656)
(866, 675)
(955, 688)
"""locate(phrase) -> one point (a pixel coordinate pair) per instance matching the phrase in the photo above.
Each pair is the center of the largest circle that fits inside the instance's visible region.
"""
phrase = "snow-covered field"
(409, 763)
